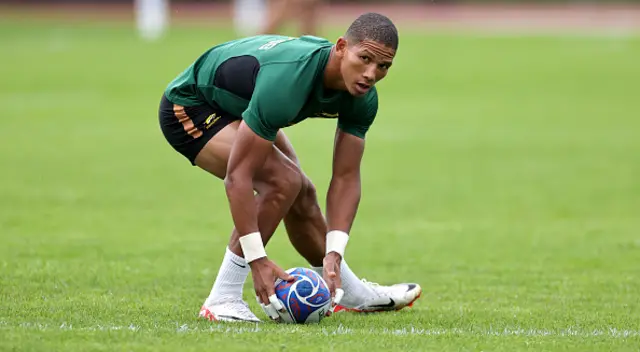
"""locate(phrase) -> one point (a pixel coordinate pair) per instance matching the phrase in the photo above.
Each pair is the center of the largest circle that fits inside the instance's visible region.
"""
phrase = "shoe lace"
(239, 304)
(244, 308)
(370, 283)
(376, 287)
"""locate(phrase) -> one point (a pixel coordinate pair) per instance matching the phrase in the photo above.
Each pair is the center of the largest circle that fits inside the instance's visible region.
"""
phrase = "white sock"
(230, 280)
(355, 291)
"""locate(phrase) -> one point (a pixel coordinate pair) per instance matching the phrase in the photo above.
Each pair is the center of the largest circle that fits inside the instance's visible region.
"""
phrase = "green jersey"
(272, 82)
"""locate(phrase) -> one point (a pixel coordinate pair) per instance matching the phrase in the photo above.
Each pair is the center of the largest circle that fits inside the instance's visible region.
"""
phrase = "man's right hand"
(264, 273)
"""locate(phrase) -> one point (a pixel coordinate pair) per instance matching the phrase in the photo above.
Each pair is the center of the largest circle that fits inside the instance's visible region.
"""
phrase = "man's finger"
(264, 308)
(264, 299)
(271, 311)
(337, 281)
(338, 296)
(331, 280)
(273, 300)
(275, 303)
(283, 275)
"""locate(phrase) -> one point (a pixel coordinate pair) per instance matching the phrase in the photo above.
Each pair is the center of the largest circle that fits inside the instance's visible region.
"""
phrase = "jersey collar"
(321, 94)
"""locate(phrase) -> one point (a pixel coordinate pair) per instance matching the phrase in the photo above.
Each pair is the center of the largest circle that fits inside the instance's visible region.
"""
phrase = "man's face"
(364, 64)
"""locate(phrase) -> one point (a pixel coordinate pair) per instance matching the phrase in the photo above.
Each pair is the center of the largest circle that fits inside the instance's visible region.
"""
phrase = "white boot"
(230, 310)
(386, 298)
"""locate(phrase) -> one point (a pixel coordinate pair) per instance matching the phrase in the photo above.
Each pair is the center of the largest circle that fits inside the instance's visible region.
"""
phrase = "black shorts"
(188, 129)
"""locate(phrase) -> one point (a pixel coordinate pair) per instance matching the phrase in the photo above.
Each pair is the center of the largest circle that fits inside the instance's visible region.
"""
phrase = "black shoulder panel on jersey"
(238, 75)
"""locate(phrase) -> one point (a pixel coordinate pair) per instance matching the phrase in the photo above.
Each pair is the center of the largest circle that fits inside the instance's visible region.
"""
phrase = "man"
(225, 113)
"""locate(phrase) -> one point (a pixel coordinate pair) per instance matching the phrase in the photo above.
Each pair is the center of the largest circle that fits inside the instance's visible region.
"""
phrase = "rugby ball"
(306, 299)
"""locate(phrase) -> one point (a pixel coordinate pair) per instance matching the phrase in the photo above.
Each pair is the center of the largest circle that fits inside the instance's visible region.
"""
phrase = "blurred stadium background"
(502, 174)
(541, 14)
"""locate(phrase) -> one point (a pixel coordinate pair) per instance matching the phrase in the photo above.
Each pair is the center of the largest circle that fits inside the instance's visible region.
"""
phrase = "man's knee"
(306, 204)
(285, 184)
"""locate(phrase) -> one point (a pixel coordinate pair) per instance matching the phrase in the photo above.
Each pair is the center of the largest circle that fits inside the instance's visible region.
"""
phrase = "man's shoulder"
(293, 65)
(358, 116)
(288, 50)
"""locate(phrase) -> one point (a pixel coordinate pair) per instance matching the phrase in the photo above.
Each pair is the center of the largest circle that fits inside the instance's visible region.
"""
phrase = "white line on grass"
(610, 332)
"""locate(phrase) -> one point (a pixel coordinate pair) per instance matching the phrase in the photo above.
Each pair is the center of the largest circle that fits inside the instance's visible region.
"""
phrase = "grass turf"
(502, 174)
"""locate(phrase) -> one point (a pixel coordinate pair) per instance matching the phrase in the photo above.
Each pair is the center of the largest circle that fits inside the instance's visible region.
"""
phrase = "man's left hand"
(331, 275)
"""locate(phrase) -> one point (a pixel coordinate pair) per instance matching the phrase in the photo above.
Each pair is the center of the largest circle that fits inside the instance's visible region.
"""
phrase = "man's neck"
(332, 78)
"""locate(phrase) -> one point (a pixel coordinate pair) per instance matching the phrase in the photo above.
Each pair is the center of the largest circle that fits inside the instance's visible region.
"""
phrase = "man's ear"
(341, 46)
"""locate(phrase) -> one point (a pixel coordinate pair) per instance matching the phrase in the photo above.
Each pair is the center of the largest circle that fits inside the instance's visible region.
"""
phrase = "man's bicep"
(357, 130)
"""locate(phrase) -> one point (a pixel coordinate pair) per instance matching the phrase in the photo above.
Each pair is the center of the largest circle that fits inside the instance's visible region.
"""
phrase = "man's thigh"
(214, 156)
(285, 146)
(189, 128)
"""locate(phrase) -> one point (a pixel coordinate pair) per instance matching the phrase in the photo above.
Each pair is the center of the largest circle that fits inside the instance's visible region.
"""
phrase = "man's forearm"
(242, 204)
(343, 199)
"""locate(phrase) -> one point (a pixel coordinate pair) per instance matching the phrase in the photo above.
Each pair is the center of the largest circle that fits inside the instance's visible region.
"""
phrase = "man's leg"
(307, 229)
(207, 142)
(277, 185)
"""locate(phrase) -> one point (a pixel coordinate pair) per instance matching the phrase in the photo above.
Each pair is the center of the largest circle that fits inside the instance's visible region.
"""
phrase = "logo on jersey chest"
(322, 114)
(327, 115)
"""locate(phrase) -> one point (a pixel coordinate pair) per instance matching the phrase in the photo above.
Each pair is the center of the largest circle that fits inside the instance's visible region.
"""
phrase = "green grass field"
(502, 174)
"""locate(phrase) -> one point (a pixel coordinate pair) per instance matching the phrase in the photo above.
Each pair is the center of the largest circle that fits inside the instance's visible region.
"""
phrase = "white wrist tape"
(252, 247)
(337, 242)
